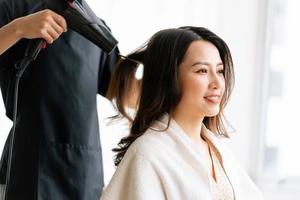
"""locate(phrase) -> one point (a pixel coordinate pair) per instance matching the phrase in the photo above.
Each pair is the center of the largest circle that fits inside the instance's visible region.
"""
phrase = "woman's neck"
(191, 124)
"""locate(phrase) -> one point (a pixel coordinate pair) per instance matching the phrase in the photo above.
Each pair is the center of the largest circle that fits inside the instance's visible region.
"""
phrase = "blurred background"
(263, 36)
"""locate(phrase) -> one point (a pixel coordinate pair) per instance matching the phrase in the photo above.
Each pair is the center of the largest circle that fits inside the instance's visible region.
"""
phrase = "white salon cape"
(168, 165)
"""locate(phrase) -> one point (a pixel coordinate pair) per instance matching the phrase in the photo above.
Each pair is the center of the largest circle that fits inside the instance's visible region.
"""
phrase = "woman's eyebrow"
(205, 63)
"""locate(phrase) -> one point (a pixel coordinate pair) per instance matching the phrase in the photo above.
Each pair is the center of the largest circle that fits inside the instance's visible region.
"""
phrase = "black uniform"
(57, 153)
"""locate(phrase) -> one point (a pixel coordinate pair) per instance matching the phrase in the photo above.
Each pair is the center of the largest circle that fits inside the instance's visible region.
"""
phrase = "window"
(281, 164)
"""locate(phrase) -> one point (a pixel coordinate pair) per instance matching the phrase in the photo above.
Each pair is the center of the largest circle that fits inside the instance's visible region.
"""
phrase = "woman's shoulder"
(150, 140)
(151, 145)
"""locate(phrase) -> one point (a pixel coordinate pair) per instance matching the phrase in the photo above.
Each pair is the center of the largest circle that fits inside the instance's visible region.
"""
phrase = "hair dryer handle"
(34, 47)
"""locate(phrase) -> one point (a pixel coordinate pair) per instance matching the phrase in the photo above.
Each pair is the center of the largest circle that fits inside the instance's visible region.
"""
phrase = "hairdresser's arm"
(44, 24)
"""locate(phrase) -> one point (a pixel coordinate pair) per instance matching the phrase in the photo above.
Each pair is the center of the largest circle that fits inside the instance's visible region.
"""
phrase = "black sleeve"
(107, 64)
(5, 18)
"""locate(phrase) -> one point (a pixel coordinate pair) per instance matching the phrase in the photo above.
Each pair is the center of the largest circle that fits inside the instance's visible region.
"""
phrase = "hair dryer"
(83, 20)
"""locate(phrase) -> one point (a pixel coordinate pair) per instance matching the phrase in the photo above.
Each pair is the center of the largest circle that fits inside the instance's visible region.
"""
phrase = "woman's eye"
(202, 71)
(221, 71)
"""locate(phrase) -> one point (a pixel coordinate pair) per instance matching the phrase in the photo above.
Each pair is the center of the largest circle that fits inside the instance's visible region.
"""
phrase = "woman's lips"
(213, 99)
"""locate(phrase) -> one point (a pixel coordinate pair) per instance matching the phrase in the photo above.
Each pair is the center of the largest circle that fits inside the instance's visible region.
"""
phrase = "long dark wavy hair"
(161, 90)
(122, 80)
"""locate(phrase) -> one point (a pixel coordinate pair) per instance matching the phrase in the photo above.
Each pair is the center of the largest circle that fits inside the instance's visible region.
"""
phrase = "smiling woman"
(175, 149)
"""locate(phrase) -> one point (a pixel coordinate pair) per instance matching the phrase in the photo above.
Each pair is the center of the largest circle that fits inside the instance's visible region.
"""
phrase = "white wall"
(133, 21)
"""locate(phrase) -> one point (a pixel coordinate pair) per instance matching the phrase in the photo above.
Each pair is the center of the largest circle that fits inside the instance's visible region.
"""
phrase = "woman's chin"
(212, 112)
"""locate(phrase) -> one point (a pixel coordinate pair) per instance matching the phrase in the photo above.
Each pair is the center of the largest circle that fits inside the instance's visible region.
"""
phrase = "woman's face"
(202, 80)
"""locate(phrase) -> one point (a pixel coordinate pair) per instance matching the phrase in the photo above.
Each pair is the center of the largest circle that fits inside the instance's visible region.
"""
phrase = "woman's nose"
(215, 81)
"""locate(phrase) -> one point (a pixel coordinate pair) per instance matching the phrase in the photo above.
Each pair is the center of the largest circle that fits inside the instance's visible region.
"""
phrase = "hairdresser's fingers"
(60, 21)
(46, 36)
(56, 21)
(53, 34)
(57, 28)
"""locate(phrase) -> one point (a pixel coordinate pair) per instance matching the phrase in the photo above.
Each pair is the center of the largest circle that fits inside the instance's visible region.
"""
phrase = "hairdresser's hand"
(45, 24)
